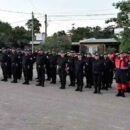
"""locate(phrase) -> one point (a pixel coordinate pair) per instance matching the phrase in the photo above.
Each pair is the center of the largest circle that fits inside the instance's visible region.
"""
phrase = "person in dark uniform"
(4, 61)
(97, 69)
(9, 73)
(14, 65)
(53, 67)
(88, 70)
(79, 72)
(40, 63)
(26, 64)
(19, 63)
(48, 72)
(108, 69)
(71, 65)
(32, 60)
(62, 69)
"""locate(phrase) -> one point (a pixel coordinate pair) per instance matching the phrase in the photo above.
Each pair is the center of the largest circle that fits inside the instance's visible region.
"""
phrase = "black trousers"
(53, 73)
(19, 73)
(79, 77)
(26, 74)
(5, 71)
(14, 69)
(41, 75)
(72, 76)
(48, 72)
(9, 71)
(97, 77)
(62, 75)
(89, 78)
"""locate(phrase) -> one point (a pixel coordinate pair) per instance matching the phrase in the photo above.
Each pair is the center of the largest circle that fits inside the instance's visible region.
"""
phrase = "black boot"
(77, 89)
(123, 93)
(128, 89)
(62, 86)
(119, 93)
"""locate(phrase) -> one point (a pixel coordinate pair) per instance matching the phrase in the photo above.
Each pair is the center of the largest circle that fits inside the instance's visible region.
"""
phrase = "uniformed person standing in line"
(88, 70)
(108, 67)
(62, 69)
(19, 63)
(40, 63)
(79, 72)
(32, 60)
(14, 65)
(26, 63)
(97, 69)
(53, 67)
(48, 72)
(4, 61)
(71, 65)
(9, 73)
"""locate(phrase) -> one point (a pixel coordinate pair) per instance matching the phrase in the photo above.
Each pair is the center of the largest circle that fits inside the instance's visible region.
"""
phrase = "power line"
(20, 12)
(105, 14)
(32, 4)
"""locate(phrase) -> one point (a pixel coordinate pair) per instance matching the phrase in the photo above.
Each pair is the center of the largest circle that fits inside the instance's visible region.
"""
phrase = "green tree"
(37, 25)
(59, 41)
(123, 21)
(20, 37)
(5, 33)
(91, 32)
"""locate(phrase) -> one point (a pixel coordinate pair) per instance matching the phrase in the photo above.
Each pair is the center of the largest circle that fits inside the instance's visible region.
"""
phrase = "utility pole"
(45, 26)
(32, 32)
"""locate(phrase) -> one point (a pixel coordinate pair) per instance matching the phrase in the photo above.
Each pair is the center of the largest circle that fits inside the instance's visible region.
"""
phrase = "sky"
(62, 14)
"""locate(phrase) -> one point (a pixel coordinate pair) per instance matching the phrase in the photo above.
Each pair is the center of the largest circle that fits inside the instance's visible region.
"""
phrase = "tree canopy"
(37, 25)
(122, 21)
(91, 32)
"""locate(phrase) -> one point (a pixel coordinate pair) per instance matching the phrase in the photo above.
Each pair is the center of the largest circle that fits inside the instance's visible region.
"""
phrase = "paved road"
(35, 108)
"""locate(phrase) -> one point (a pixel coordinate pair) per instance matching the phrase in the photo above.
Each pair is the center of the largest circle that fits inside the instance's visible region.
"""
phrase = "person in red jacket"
(128, 86)
(121, 63)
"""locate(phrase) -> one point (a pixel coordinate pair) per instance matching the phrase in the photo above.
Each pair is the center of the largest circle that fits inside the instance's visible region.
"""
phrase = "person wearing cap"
(19, 73)
(62, 69)
(9, 73)
(108, 69)
(14, 65)
(32, 60)
(53, 67)
(88, 70)
(26, 66)
(79, 72)
(4, 65)
(48, 72)
(40, 63)
(97, 70)
(71, 65)
(121, 63)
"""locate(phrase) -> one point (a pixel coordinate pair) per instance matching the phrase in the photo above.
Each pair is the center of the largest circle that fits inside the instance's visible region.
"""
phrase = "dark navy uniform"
(88, 72)
(40, 63)
(4, 65)
(71, 64)
(26, 63)
(53, 68)
(97, 70)
(14, 66)
(62, 69)
(79, 72)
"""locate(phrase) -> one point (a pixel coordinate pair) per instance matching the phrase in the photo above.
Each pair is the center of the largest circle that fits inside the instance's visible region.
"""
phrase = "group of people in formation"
(84, 70)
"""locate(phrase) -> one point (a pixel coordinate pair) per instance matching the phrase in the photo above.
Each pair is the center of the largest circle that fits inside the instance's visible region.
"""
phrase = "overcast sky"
(57, 7)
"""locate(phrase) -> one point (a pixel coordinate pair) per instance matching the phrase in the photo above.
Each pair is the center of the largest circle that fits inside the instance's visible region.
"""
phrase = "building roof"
(36, 42)
(94, 40)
